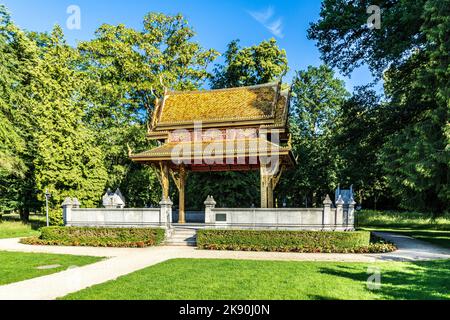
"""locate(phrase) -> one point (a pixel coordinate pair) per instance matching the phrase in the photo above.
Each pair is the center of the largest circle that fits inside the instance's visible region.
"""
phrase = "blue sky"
(215, 22)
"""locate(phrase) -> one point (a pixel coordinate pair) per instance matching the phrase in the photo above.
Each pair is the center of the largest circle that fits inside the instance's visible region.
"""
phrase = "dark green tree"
(128, 69)
(316, 105)
(66, 162)
(258, 64)
(12, 142)
(358, 140)
(410, 51)
(19, 60)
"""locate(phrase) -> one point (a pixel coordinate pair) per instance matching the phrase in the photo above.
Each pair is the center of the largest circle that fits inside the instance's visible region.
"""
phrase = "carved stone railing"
(326, 218)
(120, 218)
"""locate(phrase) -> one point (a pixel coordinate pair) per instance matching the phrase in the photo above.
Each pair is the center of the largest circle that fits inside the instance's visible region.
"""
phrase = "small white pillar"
(210, 204)
(351, 214)
(75, 203)
(165, 217)
(67, 211)
(326, 211)
(339, 221)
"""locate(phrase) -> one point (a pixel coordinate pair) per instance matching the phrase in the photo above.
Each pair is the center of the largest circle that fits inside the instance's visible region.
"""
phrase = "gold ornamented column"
(270, 177)
(265, 181)
(180, 181)
(165, 179)
(182, 213)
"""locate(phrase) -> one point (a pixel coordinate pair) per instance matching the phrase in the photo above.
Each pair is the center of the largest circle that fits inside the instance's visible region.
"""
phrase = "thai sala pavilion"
(237, 129)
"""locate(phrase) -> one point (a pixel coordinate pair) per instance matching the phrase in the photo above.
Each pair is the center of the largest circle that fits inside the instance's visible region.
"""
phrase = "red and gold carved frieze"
(212, 135)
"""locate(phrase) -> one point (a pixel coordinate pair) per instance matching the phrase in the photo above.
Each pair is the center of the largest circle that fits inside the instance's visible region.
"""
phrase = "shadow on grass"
(421, 280)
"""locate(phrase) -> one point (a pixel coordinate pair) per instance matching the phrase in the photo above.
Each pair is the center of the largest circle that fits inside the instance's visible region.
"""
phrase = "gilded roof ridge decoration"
(219, 120)
(256, 86)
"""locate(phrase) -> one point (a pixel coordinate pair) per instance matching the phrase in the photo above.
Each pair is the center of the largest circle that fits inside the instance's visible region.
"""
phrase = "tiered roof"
(221, 149)
(263, 106)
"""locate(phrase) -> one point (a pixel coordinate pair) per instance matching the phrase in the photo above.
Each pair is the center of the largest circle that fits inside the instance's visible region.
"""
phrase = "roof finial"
(152, 91)
(130, 151)
(162, 83)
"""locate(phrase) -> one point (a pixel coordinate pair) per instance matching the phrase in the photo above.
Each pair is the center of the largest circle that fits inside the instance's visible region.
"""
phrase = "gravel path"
(122, 261)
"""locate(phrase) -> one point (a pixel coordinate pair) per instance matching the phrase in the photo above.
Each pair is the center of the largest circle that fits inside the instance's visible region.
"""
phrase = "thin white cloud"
(267, 19)
(262, 16)
(276, 28)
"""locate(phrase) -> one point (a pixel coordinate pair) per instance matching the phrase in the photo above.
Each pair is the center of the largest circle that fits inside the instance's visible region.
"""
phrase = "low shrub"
(291, 241)
(98, 237)
(55, 217)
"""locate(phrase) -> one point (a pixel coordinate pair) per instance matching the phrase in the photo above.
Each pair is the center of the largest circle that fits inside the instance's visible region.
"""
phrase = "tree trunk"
(25, 215)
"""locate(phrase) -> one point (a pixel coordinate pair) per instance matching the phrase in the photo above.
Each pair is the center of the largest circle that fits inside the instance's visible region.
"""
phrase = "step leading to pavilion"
(182, 236)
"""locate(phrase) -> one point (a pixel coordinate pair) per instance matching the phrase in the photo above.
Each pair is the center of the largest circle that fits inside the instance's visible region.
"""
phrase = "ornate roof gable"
(261, 104)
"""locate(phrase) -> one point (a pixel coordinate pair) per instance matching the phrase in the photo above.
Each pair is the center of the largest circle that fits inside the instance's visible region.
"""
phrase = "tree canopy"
(257, 64)
(410, 51)
(317, 100)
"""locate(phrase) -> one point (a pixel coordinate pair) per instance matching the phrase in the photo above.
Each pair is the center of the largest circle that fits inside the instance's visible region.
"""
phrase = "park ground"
(413, 224)
(180, 278)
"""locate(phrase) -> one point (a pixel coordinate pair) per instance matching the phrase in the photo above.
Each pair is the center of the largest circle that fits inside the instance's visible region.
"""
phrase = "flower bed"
(98, 237)
(292, 241)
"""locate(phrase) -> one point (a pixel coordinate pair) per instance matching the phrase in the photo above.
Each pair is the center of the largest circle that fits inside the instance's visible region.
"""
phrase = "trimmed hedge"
(98, 237)
(290, 241)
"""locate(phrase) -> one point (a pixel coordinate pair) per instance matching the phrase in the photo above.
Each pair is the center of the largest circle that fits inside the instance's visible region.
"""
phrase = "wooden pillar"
(265, 181)
(162, 172)
(269, 180)
(165, 180)
(270, 188)
(182, 179)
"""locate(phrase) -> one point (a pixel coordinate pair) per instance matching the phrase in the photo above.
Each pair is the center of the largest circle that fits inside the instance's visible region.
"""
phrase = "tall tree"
(67, 162)
(346, 41)
(357, 141)
(248, 66)
(316, 105)
(411, 51)
(128, 70)
(19, 64)
(12, 142)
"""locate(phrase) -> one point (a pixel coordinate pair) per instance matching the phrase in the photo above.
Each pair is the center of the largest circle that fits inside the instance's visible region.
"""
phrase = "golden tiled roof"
(212, 149)
(262, 104)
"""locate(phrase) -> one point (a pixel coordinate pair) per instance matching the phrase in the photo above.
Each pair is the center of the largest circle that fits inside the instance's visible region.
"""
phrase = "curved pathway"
(410, 249)
(122, 261)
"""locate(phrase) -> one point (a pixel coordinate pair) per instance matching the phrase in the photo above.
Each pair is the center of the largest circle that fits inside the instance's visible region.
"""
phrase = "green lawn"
(16, 229)
(437, 237)
(12, 227)
(399, 220)
(203, 279)
(18, 266)
(413, 224)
